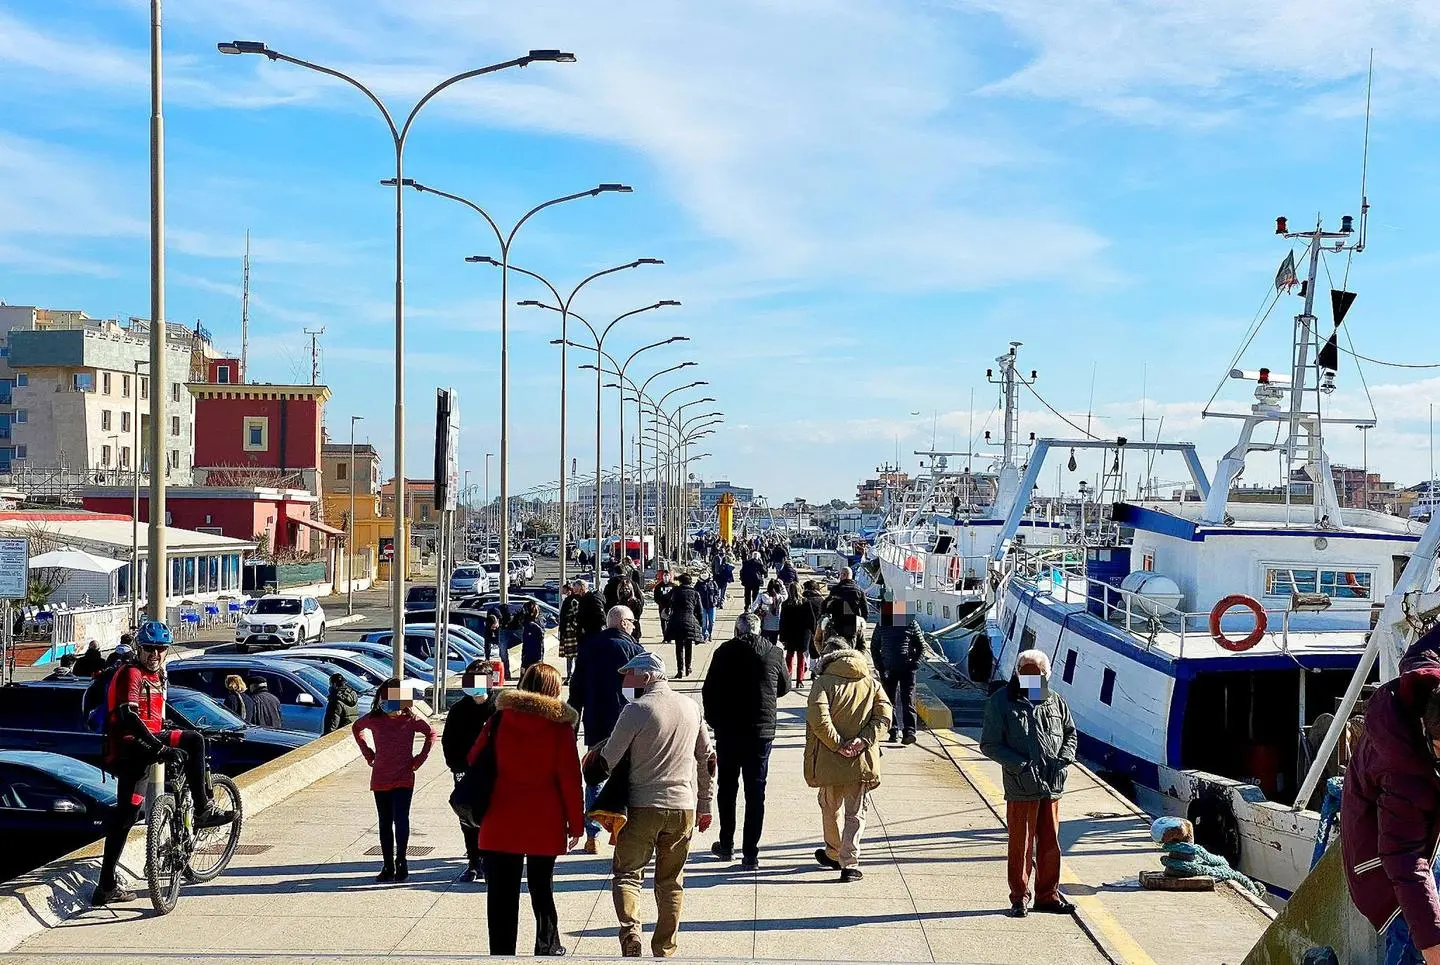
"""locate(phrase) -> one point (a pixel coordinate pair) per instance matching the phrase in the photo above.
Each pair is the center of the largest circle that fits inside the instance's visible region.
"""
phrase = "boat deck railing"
(1153, 623)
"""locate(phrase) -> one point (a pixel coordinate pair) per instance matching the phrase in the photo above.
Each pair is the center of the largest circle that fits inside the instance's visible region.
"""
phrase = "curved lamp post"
(398, 135)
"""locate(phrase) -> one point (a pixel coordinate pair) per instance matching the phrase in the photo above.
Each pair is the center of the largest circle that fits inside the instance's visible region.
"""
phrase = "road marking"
(1118, 943)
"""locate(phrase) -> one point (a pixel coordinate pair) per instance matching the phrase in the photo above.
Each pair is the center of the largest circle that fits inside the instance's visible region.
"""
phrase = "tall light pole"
(505, 241)
(599, 348)
(350, 527)
(398, 135)
(685, 430)
(489, 518)
(564, 303)
(620, 419)
(159, 563)
(135, 498)
(640, 443)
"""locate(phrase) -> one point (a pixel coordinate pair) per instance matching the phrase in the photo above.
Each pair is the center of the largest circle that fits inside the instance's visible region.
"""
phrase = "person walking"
(709, 592)
(534, 814)
(1029, 733)
(495, 641)
(767, 605)
(797, 634)
(899, 648)
(789, 576)
(393, 727)
(724, 576)
(816, 600)
(670, 758)
(595, 692)
(237, 701)
(663, 589)
(91, 662)
(752, 577)
(847, 609)
(686, 623)
(532, 637)
(847, 717)
(746, 679)
(480, 685)
(567, 627)
(632, 601)
(340, 705)
(265, 705)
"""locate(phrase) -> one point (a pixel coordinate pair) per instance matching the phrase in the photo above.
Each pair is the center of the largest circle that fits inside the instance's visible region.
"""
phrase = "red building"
(258, 435)
(277, 519)
(222, 371)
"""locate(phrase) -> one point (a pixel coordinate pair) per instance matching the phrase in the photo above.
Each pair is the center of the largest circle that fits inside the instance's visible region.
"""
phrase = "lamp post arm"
(541, 207)
(499, 235)
(449, 81)
(395, 133)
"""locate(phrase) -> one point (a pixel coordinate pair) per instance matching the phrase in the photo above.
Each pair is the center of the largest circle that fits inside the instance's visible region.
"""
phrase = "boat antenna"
(1090, 406)
(1365, 158)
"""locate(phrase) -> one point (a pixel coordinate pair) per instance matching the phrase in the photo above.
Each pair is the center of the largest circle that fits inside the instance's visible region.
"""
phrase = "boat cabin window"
(1069, 675)
(947, 613)
(1340, 584)
(1027, 638)
(1107, 686)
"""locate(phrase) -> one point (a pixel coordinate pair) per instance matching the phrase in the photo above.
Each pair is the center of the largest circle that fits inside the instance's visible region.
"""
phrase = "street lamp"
(398, 135)
(135, 500)
(350, 528)
(599, 348)
(564, 303)
(506, 241)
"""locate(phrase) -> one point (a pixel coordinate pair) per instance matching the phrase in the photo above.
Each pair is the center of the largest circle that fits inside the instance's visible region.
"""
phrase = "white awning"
(70, 559)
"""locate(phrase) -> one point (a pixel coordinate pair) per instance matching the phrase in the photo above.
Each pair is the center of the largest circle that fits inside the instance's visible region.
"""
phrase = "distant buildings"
(870, 495)
(710, 495)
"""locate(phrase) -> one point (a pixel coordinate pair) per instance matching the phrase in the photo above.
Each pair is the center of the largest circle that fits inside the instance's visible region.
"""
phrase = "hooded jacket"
(687, 617)
(846, 702)
(595, 681)
(747, 676)
(1033, 743)
(1390, 808)
(537, 801)
(341, 709)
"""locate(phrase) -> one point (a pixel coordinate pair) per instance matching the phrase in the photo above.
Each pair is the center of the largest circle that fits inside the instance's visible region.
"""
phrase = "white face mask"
(632, 694)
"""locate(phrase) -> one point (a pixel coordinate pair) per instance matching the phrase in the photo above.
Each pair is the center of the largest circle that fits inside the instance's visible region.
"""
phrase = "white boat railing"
(1145, 618)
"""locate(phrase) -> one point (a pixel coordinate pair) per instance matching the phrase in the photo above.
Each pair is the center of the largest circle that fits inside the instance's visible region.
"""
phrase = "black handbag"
(471, 797)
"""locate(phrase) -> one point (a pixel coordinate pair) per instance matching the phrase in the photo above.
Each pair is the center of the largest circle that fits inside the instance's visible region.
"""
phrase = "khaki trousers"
(851, 800)
(663, 834)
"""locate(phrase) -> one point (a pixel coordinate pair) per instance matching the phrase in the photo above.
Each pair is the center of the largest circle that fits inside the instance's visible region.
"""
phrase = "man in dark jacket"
(752, 577)
(1029, 733)
(724, 576)
(898, 648)
(91, 662)
(480, 684)
(746, 677)
(709, 592)
(267, 705)
(686, 623)
(847, 608)
(341, 706)
(595, 691)
(1390, 808)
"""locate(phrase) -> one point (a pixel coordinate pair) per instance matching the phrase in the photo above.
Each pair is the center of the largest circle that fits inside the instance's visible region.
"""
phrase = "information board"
(14, 567)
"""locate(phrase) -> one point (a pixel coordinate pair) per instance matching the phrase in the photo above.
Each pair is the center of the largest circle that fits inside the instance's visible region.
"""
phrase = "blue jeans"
(592, 793)
(1399, 946)
(708, 624)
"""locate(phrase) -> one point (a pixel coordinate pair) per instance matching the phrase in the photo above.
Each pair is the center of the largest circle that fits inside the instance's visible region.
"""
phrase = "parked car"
(46, 715)
(549, 615)
(467, 579)
(368, 667)
(281, 620)
(547, 596)
(525, 564)
(414, 666)
(303, 688)
(49, 806)
(420, 643)
(418, 596)
(472, 620)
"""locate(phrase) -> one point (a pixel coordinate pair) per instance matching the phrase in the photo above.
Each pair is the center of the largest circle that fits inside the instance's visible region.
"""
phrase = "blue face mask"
(390, 706)
(479, 693)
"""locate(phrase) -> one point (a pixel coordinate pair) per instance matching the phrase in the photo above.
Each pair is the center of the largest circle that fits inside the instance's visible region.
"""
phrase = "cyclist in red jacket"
(135, 738)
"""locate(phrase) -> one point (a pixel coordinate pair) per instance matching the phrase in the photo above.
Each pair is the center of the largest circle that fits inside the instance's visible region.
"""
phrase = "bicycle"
(175, 850)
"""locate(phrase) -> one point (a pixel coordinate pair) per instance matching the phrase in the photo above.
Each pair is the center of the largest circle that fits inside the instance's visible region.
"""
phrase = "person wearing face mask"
(480, 684)
(1028, 731)
(393, 726)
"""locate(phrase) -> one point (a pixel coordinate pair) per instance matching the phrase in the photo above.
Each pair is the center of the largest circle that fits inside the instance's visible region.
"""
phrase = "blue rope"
(1329, 811)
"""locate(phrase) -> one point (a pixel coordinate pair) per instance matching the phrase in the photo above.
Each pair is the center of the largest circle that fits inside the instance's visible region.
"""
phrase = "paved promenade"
(934, 887)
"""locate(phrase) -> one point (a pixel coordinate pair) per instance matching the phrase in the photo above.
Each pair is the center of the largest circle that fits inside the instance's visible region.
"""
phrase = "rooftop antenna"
(245, 308)
(315, 334)
(1090, 408)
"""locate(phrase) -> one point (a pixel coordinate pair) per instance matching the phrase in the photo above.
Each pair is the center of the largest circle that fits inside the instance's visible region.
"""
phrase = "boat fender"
(1250, 639)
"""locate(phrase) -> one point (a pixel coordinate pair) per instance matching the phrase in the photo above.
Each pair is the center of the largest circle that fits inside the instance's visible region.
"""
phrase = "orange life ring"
(955, 569)
(1253, 637)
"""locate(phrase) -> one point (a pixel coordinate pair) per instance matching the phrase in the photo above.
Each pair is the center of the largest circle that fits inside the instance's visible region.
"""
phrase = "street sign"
(447, 449)
(14, 567)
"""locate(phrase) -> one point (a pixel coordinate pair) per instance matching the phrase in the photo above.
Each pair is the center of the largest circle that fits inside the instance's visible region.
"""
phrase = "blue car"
(414, 666)
(49, 806)
(46, 715)
(420, 643)
(302, 688)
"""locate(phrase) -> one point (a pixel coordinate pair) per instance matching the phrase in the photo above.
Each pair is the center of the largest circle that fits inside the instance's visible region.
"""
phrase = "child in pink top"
(393, 763)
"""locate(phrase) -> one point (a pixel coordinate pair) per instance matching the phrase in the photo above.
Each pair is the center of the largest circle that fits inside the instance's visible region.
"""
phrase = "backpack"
(95, 705)
(471, 797)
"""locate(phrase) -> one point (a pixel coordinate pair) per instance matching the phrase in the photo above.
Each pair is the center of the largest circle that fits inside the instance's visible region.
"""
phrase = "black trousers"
(751, 592)
(502, 900)
(750, 759)
(472, 840)
(684, 656)
(900, 687)
(393, 809)
(129, 776)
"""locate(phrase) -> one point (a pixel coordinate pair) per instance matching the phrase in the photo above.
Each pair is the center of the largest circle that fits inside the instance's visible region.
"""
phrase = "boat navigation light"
(1280, 226)
(1347, 224)
(1264, 376)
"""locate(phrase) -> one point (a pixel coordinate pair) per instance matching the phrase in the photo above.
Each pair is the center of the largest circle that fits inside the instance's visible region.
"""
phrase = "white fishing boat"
(1198, 644)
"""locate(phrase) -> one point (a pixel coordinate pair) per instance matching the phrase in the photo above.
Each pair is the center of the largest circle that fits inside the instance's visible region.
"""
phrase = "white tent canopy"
(70, 559)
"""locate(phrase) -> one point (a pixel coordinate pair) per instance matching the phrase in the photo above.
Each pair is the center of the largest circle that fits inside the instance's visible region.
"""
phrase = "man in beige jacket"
(848, 716)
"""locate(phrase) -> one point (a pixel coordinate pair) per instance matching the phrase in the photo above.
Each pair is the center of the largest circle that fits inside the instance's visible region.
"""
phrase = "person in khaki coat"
(847, 718)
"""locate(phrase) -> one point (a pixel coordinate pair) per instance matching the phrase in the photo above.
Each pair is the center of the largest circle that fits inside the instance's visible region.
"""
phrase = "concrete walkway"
(934, 887)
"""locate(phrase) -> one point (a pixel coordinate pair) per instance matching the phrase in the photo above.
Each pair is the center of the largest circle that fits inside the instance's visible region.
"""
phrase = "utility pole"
(245, 310)
(315, 334)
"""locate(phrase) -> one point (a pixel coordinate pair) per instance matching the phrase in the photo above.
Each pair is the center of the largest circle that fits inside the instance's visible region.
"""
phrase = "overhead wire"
(1055, 412)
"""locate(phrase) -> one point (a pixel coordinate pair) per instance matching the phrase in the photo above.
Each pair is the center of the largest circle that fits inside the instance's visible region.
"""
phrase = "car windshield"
(492, 567)
(421, 593)
(202, 712)
(79, 774)
(467, 573)
(280, 605)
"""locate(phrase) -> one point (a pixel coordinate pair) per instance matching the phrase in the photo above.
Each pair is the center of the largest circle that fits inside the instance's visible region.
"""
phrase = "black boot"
(387, 873)
(402, 869)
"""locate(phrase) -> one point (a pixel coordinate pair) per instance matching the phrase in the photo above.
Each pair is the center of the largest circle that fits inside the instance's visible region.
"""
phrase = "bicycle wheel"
(164, 854)
(214, 847)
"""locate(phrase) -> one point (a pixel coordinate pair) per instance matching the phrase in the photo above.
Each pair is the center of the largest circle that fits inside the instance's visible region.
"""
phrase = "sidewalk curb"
(55, 892)
(344, 621)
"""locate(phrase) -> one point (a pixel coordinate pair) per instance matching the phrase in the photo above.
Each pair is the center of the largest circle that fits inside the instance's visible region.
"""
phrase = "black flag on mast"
(1340, 302)
(1329, 357)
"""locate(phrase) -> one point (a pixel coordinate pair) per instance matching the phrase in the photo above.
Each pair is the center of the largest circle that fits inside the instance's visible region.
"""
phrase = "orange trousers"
(1034, 850)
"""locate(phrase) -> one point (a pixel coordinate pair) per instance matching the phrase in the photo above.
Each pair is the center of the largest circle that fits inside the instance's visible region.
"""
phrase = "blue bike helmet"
(153, 633)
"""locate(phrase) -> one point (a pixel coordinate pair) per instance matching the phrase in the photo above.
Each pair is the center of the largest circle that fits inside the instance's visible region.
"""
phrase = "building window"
(84, 381)
(222, 374)
(124, 422)
(257, 434)
(144, 386)
(1107, 687)
(125, 386)
(22, 379)
(22, 452)
(174, 391)
(174, 425)
(174, 459)
(105, 456)
(124, 457)
(340, 470)
(105, 419)
(105, 382)
(22, 415)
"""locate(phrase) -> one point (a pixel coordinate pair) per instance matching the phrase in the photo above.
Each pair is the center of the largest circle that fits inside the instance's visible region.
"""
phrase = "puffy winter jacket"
(846, 702)
(747, 676)
(898, 647)
(1032, 743)
(686, 618)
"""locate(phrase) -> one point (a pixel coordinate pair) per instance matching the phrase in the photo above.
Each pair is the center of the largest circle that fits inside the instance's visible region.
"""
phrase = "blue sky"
(858, 201)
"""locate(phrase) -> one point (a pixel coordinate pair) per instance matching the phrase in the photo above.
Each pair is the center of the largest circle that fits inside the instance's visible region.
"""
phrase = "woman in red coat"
(535, 812)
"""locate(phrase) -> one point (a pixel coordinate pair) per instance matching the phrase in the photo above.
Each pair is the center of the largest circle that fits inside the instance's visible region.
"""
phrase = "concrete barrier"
(932, 710)
(48, 895)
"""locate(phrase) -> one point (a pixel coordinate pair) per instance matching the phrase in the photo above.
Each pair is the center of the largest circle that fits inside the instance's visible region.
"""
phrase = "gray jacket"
(1032, 743)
